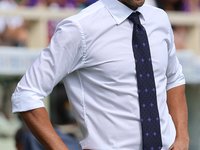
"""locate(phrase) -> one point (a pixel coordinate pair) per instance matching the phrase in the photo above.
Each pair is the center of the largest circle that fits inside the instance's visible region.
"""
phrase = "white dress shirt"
(92, 53)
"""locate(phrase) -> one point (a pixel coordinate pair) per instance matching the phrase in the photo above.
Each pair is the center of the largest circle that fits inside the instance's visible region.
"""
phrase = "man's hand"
(180, 144)
(177, 105)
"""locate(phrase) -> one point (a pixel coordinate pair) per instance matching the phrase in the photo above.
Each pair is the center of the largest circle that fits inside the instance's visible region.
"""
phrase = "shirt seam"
(84, 106)
(83, 39)
(169, 49)
(170, 38)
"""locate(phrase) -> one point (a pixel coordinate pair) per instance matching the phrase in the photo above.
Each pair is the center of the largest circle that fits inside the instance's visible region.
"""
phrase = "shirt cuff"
(178, 82)
(25, 101)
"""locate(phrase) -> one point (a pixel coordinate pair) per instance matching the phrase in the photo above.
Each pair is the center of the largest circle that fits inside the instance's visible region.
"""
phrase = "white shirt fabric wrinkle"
(92, 53)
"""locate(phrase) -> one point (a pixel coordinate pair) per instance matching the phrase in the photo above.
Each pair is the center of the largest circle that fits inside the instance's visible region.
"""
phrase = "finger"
(172, 147)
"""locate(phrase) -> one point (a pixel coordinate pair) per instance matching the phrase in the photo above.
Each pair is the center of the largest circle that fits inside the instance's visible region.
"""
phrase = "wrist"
(183, 138)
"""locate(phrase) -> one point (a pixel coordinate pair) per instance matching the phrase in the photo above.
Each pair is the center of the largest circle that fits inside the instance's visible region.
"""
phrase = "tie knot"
(134, 17)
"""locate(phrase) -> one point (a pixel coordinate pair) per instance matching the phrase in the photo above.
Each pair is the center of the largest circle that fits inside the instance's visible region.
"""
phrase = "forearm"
(178, 110)
(39, 123)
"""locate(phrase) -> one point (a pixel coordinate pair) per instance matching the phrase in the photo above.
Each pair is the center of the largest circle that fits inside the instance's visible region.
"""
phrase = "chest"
(111, 54)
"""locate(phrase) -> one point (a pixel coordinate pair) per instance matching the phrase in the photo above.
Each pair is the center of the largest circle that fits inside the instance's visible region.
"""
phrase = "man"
(93, 53)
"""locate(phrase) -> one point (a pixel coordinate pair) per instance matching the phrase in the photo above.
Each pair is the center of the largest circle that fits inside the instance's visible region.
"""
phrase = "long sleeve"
(61, 57)
(174, 73)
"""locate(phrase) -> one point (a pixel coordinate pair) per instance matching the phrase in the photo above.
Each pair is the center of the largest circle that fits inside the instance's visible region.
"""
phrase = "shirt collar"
(119, 11)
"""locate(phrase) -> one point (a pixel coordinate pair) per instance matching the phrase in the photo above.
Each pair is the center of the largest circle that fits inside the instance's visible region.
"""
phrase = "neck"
(128, 5)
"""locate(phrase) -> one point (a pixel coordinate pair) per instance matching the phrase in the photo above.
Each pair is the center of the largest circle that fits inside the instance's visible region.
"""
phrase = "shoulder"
(88, 12)
(156, 16)
(85, 17)
(152, 11)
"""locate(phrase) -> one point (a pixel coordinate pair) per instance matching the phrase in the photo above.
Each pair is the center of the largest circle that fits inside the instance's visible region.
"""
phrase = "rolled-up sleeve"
(63, 56)
(174, 73)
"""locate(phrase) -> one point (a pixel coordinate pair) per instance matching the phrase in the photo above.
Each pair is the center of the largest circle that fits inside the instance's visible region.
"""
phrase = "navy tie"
(150, 121)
